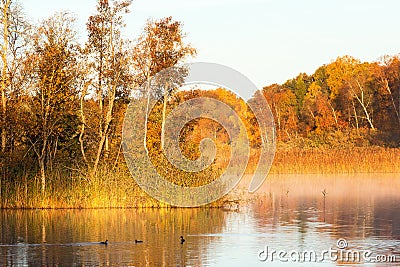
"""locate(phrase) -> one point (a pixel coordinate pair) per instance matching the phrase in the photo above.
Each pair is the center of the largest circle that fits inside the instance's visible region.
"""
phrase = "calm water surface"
(288, 214)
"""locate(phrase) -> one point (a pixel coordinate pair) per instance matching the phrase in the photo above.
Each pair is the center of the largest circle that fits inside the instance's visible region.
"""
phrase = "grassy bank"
(112, 188)
(115, 188)
(331, 161)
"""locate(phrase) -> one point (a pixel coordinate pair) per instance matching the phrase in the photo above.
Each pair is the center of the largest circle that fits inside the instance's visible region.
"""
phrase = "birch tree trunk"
(364, 105)
(105, 130)
(6, 6)
(391, 97)
(165, 100)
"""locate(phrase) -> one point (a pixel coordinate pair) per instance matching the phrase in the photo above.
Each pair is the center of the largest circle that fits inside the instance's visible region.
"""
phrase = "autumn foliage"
(344, 103)
(63, 104)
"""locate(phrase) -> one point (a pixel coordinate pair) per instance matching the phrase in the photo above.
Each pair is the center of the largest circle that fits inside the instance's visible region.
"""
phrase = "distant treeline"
(344, 103)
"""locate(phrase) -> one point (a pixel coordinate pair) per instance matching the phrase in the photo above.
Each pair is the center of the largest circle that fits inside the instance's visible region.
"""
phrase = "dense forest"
(344, 103)
(63, 105)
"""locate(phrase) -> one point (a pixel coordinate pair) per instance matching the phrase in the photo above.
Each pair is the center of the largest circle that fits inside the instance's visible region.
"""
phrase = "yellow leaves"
(347, 72)
(338, 72)
(313, 91)
(161, 46)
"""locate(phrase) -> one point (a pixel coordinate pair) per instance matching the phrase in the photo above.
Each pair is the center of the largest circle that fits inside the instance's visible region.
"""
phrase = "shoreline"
(117, 190)
(276, 186)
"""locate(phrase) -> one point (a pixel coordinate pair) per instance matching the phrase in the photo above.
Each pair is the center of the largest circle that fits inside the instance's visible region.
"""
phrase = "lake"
(307, 220)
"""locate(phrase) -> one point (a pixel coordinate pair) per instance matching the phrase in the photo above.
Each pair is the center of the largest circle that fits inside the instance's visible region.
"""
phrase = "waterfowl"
(324, 193)
(138, 241)
(104, 242)
(182, 240)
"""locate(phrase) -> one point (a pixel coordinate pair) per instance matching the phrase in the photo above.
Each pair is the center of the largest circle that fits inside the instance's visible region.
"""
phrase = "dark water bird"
(104, 242)
(138, 241)
(182, 240)
(324, 193)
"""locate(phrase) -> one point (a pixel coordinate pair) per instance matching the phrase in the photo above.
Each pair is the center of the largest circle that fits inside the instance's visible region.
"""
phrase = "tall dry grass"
(108, 189)
(116, 188)
(351, 160)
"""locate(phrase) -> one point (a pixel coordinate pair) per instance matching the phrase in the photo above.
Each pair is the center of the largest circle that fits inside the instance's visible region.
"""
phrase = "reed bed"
(109, 189)
(115, 187)
(331, 161)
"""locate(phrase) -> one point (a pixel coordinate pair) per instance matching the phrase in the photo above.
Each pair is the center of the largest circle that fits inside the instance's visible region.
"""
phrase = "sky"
(269, 41)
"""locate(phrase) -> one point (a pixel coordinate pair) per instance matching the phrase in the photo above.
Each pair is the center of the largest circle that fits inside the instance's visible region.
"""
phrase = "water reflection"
(48, 237)
(289, 213)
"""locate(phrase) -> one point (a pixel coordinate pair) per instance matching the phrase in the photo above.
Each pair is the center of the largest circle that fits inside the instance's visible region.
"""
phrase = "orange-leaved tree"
(107, 56)
(51, 67)
(159, 47)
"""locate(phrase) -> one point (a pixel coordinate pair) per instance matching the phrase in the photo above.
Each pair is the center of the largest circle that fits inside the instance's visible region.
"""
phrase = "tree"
(284, 107)
(161, 46)
(320, 78)
(388, 75)
(51, 64)
(5, 6)
(110, 65)
(14, 31)
(324, 115)
(350, 77)
(386, 80)
(299, 87)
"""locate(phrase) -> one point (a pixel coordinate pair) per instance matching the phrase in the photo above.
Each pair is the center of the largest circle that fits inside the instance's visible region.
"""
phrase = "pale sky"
(269, 41)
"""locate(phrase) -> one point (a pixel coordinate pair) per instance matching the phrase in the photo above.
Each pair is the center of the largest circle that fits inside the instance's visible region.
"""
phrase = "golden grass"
(330, 161)
(115, 188)
(109, 189)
